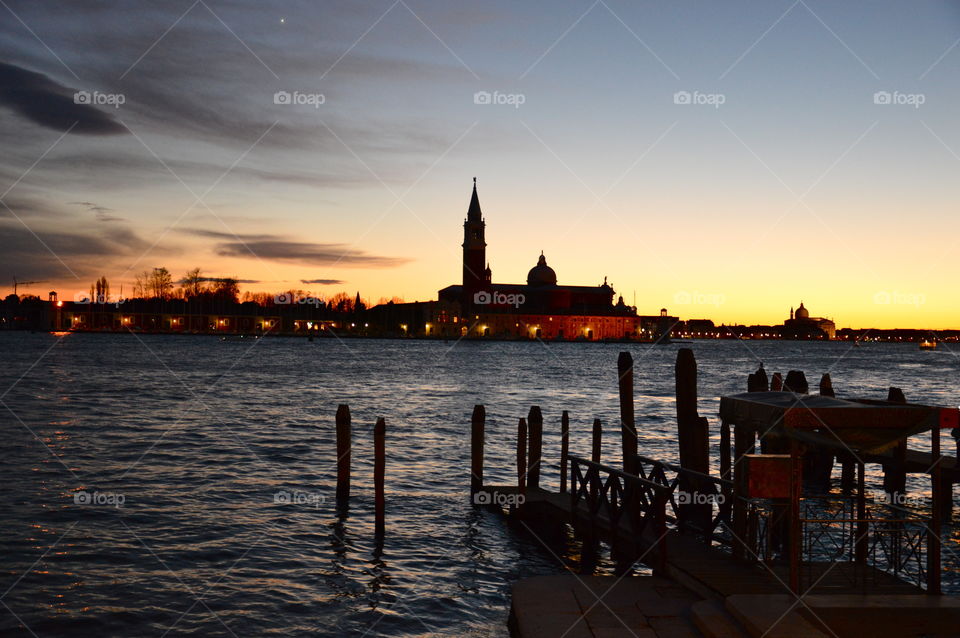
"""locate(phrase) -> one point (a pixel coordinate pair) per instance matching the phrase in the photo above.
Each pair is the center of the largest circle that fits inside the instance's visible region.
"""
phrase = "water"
(197, 436)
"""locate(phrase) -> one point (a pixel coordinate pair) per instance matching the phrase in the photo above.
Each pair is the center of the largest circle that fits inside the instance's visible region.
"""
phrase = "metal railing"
(895, 543)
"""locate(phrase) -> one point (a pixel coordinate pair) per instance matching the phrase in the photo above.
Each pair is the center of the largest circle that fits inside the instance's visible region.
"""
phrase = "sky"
(723, 160)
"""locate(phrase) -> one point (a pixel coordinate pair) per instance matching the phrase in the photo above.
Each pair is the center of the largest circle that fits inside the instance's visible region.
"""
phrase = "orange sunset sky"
(725, 162)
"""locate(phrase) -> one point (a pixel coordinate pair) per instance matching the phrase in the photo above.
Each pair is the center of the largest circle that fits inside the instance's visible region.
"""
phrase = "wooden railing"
(690, 490)
(629, 509)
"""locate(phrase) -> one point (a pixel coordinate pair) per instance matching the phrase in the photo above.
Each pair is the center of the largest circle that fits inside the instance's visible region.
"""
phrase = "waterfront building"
(801, 325)
(541, 308)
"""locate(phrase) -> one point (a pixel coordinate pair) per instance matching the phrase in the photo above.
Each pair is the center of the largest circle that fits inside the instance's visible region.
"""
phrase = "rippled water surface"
(196, 436)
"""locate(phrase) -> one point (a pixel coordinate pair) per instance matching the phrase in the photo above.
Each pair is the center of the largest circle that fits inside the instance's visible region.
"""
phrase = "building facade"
(801, 325)
(538, 309)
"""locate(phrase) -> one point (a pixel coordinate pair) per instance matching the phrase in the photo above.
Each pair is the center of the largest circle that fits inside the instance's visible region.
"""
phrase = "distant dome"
(802, 313)
(541, 274)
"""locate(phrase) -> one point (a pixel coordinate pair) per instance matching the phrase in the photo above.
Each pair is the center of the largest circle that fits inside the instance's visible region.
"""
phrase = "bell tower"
(474, 248)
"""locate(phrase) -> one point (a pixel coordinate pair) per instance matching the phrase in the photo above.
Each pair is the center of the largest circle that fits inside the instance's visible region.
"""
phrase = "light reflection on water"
(198, 435)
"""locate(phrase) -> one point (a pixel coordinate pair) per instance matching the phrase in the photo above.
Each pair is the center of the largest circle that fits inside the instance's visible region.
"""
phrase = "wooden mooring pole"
(933, 539)
(757, 382)
(628, 427)
(564, 449)
(826, 386)
(343, 454)
(379, 464)
(895, 473)
(694, 442)
(522, 456)
(535, 432)
(776, 385)
(476, 449)
(597, 440)
(796, 382)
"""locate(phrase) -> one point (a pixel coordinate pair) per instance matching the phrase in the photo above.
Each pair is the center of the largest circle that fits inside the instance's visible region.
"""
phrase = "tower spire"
(474, 213)
(474, 248)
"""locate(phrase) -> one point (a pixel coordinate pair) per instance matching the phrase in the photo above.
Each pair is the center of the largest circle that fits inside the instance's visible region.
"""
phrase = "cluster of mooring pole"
(818, 464)
(344, 451)
(694, 430)
(530, 438)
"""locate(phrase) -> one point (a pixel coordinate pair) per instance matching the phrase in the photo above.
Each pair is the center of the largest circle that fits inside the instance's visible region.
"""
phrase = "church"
(539, 309)
(801, 325)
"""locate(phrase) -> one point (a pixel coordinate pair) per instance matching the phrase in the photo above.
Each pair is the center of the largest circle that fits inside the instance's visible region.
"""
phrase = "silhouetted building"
(540, 308)
(801, 325)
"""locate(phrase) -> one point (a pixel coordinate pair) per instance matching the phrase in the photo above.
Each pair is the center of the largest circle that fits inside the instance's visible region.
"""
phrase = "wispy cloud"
(46, 103)
(102, 212)
(281, 249)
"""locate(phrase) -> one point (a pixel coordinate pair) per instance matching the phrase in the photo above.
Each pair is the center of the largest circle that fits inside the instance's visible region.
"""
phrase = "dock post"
(564, 449)
(628, 427)
(894, 473)
(796, 527)
(862, 543)
(847, 469)
(796, 382)
(725, 450)
(535, 432)
(522, 456)
(776, 385)
(694, 441)
(744, 440)
(343, 454)
(476, 449)
(895, 395)
(379, 462)
(826, 386)
(757, 382)
(936, 496)
(597, 439)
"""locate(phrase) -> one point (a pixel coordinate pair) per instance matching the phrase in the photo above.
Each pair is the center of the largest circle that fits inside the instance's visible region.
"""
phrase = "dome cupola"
(542, 274)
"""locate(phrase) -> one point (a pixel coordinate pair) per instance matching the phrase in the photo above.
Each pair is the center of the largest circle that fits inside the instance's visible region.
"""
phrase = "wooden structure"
(798, 422)
(748, 530)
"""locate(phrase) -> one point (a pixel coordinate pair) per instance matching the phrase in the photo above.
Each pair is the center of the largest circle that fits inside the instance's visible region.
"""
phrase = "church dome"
(802, 313)
(541, 274)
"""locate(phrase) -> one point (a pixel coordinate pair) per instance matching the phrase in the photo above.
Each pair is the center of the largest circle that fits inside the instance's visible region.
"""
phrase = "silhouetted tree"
(99, 291)
(140, 284)
(160, 283)
(340, 302)
(193, 283)
(226, 289)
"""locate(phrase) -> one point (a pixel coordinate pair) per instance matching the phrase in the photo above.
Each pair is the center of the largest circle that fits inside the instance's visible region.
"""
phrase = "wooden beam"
(343, 454)
(628, 427)
(477, 422)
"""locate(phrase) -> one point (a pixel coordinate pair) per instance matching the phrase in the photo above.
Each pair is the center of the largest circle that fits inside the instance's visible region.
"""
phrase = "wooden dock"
(709, 571)
(655, 607)
(750, 557)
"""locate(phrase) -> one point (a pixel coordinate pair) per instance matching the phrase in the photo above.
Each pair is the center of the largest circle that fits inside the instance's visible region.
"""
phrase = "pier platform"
(654, 607)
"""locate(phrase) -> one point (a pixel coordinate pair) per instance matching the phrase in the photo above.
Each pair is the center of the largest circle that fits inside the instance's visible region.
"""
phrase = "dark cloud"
(216, 280)
(307, 253)
(24, 207)
(102, 212)
(53, 254)
(323, 282)
(39, 99)
(277, 248)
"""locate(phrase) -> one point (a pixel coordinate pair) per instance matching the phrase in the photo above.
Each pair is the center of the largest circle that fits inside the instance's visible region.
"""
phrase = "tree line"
(159, 283)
